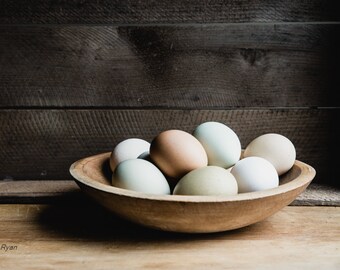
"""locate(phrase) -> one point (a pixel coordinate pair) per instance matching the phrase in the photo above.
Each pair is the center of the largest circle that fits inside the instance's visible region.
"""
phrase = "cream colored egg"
(255, 174)
(128, 149)
(220, 142)
(209, 180)
(276, 148)
(140, 175)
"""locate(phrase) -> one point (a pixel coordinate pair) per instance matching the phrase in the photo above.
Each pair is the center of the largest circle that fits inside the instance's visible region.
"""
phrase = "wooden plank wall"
(76, 77)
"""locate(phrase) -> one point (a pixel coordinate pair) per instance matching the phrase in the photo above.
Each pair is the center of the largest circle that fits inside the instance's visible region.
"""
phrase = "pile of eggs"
(207, 162)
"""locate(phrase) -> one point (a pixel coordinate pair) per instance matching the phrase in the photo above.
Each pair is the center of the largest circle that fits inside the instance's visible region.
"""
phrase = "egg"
(209, 180)
(255, 174)
(220, 142)
(140, 175)
(177, 152)
(276, 148)
(128, 149)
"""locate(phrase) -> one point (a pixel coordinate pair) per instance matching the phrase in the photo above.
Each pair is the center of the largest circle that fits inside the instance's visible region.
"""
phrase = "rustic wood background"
(76, 77)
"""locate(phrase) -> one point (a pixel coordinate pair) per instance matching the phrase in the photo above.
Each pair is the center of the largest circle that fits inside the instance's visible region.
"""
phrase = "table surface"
(69, 236)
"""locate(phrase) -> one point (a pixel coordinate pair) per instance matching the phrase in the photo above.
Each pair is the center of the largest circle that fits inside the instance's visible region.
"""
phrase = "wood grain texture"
(42, 144)
(68, 192)
(189, 11)
(194, 214)
(317, 194)
(87, 237)
(201, 66)
(40, 191)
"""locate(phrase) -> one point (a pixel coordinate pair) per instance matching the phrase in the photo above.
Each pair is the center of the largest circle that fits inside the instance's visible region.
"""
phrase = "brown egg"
(177, 152)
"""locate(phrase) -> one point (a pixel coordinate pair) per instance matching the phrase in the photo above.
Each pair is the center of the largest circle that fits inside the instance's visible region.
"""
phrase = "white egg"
(128, 149)
(220, 142)
(276, 148)
(255, 174)
(209, 180)
(140, 175)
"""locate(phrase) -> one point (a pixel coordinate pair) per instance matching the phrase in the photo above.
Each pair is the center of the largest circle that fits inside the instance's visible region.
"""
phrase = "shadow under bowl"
(189, 214)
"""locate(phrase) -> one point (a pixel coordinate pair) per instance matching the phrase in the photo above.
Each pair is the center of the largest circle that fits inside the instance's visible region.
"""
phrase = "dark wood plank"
(42, 144)
(317, 194)
(177, 11)
(169, 66)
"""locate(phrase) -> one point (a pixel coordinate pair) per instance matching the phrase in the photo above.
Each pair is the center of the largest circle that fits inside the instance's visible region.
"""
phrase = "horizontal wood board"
(87, 237)
(137, 67)
(177, 11)
(68, 192)
(169, 66)
(42, 144)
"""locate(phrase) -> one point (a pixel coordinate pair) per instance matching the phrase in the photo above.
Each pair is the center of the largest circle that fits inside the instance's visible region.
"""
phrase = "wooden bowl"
(190, 214)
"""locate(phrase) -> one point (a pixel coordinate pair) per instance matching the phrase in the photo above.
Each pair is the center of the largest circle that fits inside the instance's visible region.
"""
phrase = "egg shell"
(128, 149)
(177, 152)
(255, 174)
(140, 175)
(209, 180)
(220, 142)
(276, 148)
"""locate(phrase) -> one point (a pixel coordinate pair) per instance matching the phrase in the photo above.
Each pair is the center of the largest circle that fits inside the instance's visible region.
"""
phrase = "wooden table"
(73, 232)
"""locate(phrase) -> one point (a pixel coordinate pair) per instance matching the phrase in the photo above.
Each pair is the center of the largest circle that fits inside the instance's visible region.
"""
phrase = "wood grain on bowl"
(190, 214)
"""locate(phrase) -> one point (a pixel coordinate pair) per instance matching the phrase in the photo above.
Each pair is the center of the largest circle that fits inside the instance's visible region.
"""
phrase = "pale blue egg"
(220, 142)
(255, 174)
(140, 175)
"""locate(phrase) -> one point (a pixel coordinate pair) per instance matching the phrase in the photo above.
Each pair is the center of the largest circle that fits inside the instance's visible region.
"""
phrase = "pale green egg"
(209, 180)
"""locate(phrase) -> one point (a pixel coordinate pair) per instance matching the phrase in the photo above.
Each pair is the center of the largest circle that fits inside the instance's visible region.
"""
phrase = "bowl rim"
(307, 173)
